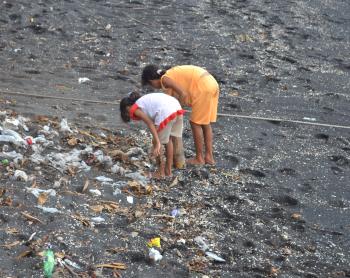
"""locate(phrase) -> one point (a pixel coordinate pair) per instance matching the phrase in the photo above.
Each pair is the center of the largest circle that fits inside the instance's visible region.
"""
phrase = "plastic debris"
(103, 179)
(116, 169)
(174, 212)
(5, 162)
(154, 242)
(155, 255)
(49, 210)
(36, 191)
(64, 127)
(49, 263)
(309, 119)
(135, 152)
(215, 257)
(10, 136)
(202, 245)
(103, 159)
(130, 199)
(138, 177)
(71, 263)
(10, 123)
(98, 219)
(116, 192)
(29, 140)
(20, 175)
(83, 80)
(95, 192)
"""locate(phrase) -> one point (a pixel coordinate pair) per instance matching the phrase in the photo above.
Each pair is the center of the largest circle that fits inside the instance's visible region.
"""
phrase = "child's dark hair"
(152, 72)
(127, 102)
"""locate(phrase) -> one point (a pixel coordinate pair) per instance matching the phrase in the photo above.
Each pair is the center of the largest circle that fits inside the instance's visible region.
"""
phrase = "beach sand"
(277, 203)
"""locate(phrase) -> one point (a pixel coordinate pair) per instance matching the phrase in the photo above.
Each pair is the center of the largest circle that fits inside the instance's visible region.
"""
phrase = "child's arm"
(156, 143)
(169, 83)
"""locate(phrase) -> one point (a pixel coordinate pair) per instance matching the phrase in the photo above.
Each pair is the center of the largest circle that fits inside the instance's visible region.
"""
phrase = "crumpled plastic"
(20, 175)
(138, 177)
(37, 191)
(10, 136)
(201, 243)
(155, 255)
(49, 210)
(64, 127)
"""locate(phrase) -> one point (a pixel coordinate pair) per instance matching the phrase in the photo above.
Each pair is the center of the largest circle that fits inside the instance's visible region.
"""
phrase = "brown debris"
(112, 265)
(31, 218)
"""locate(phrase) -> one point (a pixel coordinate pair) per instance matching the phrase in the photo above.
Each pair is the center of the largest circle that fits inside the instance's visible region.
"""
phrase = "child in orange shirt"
(163, 116)
(195, 87)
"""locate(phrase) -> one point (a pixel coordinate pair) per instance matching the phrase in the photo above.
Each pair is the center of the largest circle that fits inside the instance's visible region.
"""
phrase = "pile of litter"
(79, 203)
(58, 178)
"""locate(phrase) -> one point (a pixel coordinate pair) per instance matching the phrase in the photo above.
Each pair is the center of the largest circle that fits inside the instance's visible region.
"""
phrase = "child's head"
(151, 73)
(126, 103)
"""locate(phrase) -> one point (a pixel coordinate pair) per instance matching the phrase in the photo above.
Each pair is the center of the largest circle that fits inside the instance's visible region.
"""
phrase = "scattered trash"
(11, 136)
(116, 169)
(116, 192)
(49, 210)
(20, 175)
(215, 257)
(83, 80)
(103, 159)
(309, 119)
(296, 216)
(98, 219)
(120, 266)
(155, 255)
(71, 263)
(202, 245)
(5, 162)
(103, 179)
(64, 127)
(154, 242)
(138, 177)
(36, 191)
(108, 27)
(136, 152)
(174, 212)
(49, 263)
(95, 192)
(130, 199)
(29, 140)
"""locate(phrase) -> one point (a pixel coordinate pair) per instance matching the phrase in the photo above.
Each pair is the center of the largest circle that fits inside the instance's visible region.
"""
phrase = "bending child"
(163, 116)
(195, 87)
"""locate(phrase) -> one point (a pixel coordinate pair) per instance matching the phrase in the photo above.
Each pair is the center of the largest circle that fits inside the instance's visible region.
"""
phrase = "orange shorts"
(204, 101)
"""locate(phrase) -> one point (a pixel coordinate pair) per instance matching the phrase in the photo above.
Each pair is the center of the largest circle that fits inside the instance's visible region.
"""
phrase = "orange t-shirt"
(187, 77)
(201, 88)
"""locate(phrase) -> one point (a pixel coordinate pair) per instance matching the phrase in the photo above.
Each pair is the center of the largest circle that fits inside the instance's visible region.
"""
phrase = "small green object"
(5, 162)
(49, 263)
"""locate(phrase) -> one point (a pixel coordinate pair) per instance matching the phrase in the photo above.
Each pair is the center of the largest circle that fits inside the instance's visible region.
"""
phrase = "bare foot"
(156, 175)
(195, 161)
(210, 161)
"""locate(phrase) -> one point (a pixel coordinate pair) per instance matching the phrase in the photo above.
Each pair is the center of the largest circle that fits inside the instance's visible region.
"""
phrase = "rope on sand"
(219, 114)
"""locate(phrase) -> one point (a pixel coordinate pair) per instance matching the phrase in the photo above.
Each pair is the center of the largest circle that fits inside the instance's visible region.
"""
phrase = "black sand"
(282, 59)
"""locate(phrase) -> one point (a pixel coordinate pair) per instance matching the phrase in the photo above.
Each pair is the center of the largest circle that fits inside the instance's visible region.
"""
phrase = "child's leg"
(161, 164)
(179, 155)
(208, 142)
(169, 153)
(198, 144)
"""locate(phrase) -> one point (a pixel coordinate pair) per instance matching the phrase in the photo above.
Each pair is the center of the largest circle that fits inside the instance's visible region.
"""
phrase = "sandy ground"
(277, 204)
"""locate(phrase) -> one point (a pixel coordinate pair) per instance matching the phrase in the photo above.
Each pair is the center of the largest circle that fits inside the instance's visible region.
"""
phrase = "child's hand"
(156, 148)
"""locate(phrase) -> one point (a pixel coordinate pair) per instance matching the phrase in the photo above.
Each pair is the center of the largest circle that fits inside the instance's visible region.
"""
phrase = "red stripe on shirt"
(132, 110)
(170, 118)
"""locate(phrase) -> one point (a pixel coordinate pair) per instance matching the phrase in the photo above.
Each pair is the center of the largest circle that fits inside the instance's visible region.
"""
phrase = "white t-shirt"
(158, 106)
